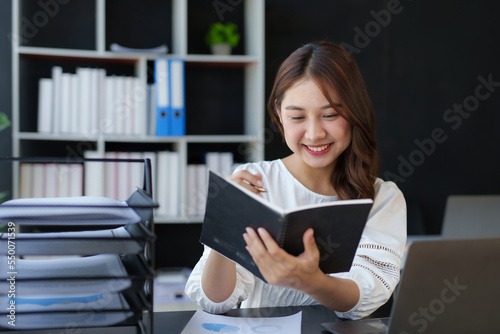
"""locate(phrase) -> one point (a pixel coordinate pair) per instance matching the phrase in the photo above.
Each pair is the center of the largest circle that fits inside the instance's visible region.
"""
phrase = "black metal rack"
(134, 251)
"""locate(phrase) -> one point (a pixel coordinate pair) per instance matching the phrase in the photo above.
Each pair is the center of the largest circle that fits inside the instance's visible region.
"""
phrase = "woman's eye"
(331, 115)
(296, 118)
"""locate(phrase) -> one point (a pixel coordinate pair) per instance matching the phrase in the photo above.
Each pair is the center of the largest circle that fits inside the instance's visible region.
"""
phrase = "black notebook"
(230, 208)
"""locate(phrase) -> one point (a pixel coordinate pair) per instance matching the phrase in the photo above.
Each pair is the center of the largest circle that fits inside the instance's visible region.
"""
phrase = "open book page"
(65, 276)
(114, 241)
(88, 210)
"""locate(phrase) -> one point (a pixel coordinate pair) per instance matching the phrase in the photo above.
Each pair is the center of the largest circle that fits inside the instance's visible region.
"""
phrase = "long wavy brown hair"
(332, 67)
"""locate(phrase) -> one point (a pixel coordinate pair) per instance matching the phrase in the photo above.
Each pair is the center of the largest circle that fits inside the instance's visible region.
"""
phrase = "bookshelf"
(225, 103)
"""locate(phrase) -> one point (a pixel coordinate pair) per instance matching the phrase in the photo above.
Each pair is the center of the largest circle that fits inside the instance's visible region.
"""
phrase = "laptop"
(448, 286)
(471, 216)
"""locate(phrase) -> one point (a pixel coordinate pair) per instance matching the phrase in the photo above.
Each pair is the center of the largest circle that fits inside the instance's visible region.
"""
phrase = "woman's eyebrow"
(327, 106)
(293, 107)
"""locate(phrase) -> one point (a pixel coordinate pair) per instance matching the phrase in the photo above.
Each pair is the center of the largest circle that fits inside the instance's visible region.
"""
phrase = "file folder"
(162, 85)
(178, 99)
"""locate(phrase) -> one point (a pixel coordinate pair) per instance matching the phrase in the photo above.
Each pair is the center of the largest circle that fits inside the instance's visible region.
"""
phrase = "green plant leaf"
(4, 121)
(223, 33)
(3, 196)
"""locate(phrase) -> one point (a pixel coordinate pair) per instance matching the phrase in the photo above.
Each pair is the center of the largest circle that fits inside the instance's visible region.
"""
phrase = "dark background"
(426, 59)
(5, 92)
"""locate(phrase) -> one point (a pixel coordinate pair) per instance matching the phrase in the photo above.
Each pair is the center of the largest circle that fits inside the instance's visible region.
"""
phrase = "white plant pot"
(221, 49)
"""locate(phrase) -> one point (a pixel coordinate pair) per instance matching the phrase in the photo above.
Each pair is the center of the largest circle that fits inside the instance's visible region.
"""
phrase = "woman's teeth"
(318, 148)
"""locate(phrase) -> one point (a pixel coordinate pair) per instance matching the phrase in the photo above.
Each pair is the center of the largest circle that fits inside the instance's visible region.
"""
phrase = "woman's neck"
(317, 180)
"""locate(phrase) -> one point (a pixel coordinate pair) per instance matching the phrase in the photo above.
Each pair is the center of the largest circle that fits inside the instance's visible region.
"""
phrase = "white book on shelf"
(162, 182)
(212, 160)
(26, 180)
(191, 200)
(45, 109)
(174, 190)
(51, 184)
(38, 189)
(107, 124)
(63, 180)
(119, 108)
(151, 110)
(66, 102)
(94, 101)
(93, 174)
(201, 188)
(75, 180)
(124, 176)
(75, 104)
(226, 162)
(111, 176)
(136, 172)
(84, 79)
(57, 98)
(128, 115)
(101, 98)
(140, 116)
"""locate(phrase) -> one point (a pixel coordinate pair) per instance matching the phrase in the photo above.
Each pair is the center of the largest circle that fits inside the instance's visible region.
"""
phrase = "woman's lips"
(318, 150)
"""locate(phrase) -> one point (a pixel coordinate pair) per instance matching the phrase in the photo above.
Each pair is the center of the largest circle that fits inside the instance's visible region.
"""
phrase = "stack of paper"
(100, 274)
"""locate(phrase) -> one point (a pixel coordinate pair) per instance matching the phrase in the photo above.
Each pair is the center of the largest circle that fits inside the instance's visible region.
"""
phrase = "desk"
(174, 322)
(312, 317)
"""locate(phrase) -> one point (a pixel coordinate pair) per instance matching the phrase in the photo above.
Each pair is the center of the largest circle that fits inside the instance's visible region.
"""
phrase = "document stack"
(76, 262)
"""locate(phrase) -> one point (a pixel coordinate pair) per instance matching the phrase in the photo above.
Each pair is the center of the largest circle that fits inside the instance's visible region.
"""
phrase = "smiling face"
(313, 129)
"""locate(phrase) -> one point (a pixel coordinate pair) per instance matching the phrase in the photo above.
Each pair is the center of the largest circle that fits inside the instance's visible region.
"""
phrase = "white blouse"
(375, 268)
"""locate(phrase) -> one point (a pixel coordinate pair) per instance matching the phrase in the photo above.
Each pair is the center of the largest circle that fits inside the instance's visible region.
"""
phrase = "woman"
(320, 103)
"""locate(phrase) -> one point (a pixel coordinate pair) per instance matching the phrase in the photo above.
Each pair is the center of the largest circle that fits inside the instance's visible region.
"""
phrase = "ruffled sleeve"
(378, 259)
(245, 282)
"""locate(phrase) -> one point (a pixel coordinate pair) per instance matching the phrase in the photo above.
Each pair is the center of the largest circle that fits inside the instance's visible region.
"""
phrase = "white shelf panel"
(72, 53)
(220, 139)
(55, 137)
(230, 59)
(138, 139)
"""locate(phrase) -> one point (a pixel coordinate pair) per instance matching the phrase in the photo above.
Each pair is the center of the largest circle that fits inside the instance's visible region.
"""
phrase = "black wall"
(5, 92)
(420, 65)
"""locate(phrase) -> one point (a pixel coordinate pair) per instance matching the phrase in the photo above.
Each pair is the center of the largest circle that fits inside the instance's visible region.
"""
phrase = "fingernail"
(259, 183)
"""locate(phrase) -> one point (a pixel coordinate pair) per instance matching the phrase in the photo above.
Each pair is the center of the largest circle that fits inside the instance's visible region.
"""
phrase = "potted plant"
(4, 123)
(221, 38)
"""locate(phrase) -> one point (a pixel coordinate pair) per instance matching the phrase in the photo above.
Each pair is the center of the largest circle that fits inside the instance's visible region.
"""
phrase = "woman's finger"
(248, 180)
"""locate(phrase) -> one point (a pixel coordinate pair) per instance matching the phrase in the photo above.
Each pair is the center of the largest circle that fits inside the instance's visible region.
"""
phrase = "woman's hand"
(301, 272)
(280, 268)
(248, 180)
